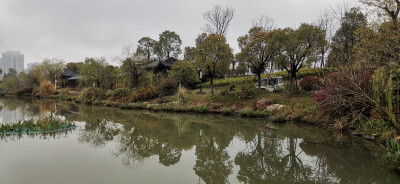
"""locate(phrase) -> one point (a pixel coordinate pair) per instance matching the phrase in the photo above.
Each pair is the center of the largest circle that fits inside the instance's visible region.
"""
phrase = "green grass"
(303, 72)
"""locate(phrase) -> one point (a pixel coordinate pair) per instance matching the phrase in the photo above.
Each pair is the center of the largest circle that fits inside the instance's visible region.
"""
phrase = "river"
(124, 146)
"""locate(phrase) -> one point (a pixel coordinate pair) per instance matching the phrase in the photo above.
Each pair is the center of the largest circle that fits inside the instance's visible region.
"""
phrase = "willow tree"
(259, 47)
(296, 48)
(213, 56)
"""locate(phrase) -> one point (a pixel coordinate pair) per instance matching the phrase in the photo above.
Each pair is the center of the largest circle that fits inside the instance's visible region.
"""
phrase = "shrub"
(280, 118)
(392, 156)
(119, 85)
(144, 93)
(185, 73)
(310, 83)
(346, 94)
(305, 72)
(167, 87)
(97, 102)
(201, 109)
(120, 93)
(226, 111)
(227, 89)
(89, 95)
(248, 90)
(25, 91)
(46, 88)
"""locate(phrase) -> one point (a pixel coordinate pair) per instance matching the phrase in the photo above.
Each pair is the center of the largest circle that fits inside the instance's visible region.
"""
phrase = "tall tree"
(93, 71)
(218, 20)
(325, 23)
(296, 48)
(390, 8)
(51, 69)
(259, 47)
(133, 69)
(200, 38)
(146, 48)
(263, 21)
(345, 38)
(169, 45)
(213, 55)
(189, 54)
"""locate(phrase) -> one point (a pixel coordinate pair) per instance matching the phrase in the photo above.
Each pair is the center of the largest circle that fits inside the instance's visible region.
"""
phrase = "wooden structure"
(161, 66)
(70, 78)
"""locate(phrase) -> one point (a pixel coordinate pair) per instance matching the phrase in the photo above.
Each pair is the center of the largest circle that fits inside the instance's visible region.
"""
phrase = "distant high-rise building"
(12, 59)
(31, 66)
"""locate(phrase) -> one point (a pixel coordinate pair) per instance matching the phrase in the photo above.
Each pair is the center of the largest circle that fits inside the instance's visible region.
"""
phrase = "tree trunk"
(212, 85)
(259, 80)
(292, 79)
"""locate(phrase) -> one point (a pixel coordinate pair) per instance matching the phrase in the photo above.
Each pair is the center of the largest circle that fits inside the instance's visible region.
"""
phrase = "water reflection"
(265, 153)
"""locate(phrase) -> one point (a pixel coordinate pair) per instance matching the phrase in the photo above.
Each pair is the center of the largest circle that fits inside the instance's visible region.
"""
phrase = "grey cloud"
(75, 29)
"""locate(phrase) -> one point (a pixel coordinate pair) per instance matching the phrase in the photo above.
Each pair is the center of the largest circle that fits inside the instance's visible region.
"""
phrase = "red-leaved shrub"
(347, 94)
(310, 83)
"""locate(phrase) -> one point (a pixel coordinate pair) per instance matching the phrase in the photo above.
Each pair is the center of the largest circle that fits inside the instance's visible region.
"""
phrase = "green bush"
(89, 95)
(304, 72)
(248, 90)
(392, 156)
(185, 73)
(25, 91)
(376, 126)
(201, 109)
(97, 102)
(120, 93)
(144, 93)
(226, 111)
(167, 87)
(280, 118)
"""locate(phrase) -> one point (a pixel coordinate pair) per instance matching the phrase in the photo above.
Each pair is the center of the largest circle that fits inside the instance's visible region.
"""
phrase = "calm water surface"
(116, 146)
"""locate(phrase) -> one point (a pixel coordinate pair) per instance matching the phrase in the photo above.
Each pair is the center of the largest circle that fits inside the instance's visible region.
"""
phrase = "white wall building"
(12, 59)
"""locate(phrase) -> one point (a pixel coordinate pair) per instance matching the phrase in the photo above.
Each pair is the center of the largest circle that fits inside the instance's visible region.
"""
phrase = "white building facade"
(12, 59)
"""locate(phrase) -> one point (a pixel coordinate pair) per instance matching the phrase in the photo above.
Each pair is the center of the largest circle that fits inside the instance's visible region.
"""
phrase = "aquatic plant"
(392, 157)
(35, 126)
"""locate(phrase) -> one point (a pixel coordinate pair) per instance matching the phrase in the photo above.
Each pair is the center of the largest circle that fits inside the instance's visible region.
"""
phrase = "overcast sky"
(75, 29)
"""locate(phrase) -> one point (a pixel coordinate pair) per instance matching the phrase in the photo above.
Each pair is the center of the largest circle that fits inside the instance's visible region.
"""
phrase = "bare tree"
(218, 20)
(325, 23)
(263, 21)
(391, 8)
(127, 52)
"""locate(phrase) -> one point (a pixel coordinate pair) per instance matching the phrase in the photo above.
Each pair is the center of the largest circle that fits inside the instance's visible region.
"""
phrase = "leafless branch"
(218, 20)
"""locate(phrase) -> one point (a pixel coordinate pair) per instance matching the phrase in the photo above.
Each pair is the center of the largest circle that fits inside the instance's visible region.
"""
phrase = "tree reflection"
(213, 164)
(99, 132)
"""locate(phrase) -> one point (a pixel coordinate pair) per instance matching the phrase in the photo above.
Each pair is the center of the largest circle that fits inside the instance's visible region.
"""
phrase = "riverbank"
(279, 107)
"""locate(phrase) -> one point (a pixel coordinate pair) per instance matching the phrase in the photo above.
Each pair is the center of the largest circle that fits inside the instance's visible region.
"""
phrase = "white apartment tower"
(12, 59)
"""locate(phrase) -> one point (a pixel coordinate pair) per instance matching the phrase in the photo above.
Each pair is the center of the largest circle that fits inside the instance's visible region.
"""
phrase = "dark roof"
(75, 77)
(69, 73)
(166, 64)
